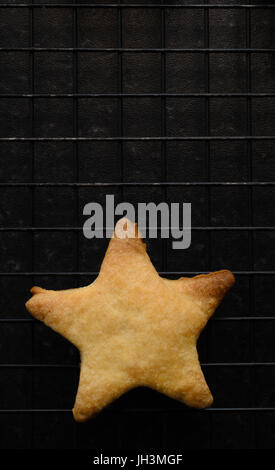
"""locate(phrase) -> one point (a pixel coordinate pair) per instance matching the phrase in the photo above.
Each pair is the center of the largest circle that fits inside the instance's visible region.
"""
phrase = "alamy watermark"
(169, 220)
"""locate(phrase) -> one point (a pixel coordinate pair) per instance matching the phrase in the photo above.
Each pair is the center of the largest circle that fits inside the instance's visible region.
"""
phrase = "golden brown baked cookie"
(133, 327)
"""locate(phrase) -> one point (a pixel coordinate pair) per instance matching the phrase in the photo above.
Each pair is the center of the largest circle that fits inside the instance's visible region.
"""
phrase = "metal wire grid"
(163, 139)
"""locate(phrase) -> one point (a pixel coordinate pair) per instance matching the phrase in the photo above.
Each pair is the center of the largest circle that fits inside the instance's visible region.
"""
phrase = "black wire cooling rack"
(229, 114)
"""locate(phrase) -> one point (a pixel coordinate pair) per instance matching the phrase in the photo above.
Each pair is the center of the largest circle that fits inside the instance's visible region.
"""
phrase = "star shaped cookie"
(134, 328)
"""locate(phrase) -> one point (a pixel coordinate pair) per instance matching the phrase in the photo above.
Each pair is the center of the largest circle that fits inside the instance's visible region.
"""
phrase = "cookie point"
(79, 416)
(125, 228)
(228, 278)
(205, 401)
(36, 290)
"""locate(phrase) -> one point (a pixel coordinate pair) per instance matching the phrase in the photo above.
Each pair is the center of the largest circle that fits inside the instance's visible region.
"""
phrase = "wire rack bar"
(131, 183)
(138, 95)
(95, 273)
(137, 139)
(214, 319)
(77, 366)
(79, 229)
(136, 5)
(135, 50)
(139, 410)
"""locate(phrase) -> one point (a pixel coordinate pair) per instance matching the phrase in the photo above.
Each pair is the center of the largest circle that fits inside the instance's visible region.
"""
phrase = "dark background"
(54, 85)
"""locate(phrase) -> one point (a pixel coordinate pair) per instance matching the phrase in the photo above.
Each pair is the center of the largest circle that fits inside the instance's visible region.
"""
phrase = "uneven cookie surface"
(133, 327)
